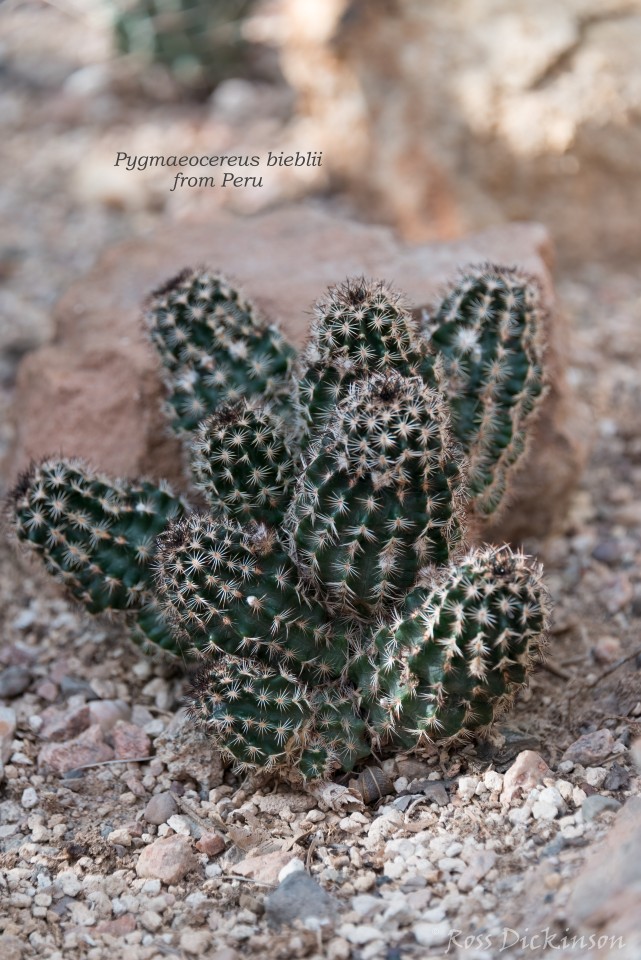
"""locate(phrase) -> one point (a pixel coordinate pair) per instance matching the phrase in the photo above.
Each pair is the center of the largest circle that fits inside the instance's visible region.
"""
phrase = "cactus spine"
(327, 595)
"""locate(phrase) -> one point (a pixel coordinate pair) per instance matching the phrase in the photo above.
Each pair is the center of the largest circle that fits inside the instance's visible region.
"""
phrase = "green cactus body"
(360, 327)
(326, 596)
(256, 714)
(242, 460)
(97, 536)
(379, 496)
(264, 717)
(487, 339)
(237, 587)
(199, 41)
(215, 349)
(454, 663)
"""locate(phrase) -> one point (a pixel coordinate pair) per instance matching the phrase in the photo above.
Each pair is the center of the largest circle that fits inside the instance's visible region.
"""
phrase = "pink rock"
(118, 927)
(64, 724)
(168, 859)
(528, 770)
(211, 843)
(607, 650)
(130, 742)
(101, 369)
(60, 758)
(591, 749)
(47, 690)
(106, 712)
(264, 867)
(7, 731)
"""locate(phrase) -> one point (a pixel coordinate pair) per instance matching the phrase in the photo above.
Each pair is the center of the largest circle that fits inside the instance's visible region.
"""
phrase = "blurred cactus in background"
(200, 42)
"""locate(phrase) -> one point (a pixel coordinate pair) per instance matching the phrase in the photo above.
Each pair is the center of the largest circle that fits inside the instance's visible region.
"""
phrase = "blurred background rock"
(434, 118)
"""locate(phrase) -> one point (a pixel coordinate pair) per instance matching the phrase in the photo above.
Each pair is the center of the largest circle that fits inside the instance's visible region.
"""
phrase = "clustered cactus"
(328, 597)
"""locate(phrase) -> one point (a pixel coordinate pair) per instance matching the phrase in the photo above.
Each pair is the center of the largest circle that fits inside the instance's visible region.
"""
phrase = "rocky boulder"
(447, 117)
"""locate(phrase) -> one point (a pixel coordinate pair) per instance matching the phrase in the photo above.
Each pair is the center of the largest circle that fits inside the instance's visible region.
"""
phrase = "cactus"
(380, 496)
(453, 660)
(487, 338)
(98, 537)
(327, 595)
(215, 348)
(200, 42)
(243, 462)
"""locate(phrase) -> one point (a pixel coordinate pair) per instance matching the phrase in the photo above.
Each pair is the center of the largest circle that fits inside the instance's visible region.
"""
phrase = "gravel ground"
(120, 831)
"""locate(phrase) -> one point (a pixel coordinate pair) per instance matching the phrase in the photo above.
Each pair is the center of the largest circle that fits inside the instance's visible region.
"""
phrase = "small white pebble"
(29, 798)
(294, 866)
(595, 776)
(180, 824)
(467, 787)
(493, 780)
(394, 869)
(432, 934)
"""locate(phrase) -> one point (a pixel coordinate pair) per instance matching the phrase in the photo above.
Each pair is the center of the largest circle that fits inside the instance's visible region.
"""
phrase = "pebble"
(432, 934)
(361, 934)
(29, 798)
(130, 742)
(565, 766)
(548, 799)
(168, 859)
(595, 776)
(292, 867)
(618, 778)
(300, 897)
(72, 686)
(7, 732)
(13, 682)
(64, 724)
(607, 650)
(107, 712)
(180, 824)
(61, 758)
(24, 620)
(528, 770)
(479, 864)
(160, 808)
(211, 844)
(119, 927)
(596, 804)
(609, 551)
(591, 749)
(194, 942)
(467, 787)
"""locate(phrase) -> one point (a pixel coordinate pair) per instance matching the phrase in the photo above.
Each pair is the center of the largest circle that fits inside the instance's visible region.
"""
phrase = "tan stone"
(263, 867)
(528, 770)
(447, 117)
(167, 859)
(96, 392)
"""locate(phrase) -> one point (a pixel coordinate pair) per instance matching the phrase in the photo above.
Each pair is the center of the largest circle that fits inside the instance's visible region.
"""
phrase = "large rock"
(96, 392)
(446, 117)
(606, 894)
